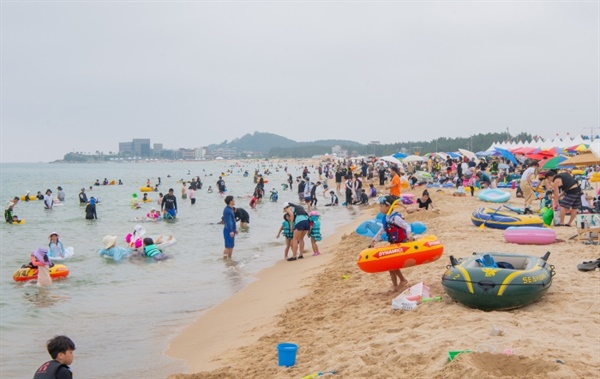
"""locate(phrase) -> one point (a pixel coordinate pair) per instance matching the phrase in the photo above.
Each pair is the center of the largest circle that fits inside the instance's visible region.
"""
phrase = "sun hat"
(109, 241)
(286, 204)
(51, 234)
(313, 213)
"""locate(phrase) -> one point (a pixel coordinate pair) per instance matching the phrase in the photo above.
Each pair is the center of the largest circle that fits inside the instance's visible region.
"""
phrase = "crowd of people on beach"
(361, 183)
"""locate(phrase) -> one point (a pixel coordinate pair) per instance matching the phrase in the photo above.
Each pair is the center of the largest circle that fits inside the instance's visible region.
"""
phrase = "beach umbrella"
(468, 154)
(553, 162)
(587, 159)
(391, 159)
(399, 155)
(453, 155)
(507, 154)
(414, 158)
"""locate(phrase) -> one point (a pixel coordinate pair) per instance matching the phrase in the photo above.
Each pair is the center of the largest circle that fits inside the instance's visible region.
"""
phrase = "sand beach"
(341, 318)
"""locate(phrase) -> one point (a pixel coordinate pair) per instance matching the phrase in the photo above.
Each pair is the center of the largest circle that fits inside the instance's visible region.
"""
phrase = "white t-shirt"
(527, 173)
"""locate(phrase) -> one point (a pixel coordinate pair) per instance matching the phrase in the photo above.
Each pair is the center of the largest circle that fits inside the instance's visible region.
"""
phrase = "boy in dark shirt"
(61, 350)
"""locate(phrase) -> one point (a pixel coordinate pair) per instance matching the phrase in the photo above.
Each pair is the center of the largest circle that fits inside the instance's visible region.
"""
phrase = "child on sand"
(397, 230)
(425, 202)
(315, 231)
(287, 233)
(61, 350)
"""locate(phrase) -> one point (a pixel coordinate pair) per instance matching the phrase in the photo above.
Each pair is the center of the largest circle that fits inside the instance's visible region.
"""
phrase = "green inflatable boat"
(498, 281)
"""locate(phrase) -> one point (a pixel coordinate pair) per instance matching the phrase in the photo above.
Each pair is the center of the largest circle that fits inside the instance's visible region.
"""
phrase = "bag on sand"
(44, 278)
(409, 298)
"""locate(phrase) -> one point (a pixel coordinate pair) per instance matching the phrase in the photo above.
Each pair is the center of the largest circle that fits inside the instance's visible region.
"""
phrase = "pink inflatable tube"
(529, 235)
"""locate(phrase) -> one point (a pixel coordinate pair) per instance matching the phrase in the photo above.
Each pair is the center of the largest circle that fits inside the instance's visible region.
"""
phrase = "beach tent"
(586, 159)
(595, 147)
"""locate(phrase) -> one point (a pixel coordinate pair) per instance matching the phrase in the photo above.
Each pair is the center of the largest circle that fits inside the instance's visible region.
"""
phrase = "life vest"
(151, 250)
(395, 233)
(48, 370)
(287, 232)
(315, 231)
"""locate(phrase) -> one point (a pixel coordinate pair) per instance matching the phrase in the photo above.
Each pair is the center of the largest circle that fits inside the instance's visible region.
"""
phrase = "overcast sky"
(86, 75)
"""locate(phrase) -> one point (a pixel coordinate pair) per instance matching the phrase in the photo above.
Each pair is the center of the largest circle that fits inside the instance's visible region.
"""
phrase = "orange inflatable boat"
(57, 271)
(400, 255)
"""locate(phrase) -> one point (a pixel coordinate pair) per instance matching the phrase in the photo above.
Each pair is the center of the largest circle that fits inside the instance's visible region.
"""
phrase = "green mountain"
(265, 142)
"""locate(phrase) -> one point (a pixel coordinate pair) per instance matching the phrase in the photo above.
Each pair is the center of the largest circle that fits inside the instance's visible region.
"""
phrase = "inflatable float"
(517, 280)
(58, 271)
(370, 228)
(502, 220)
(529, 235)
(31, 198)
(494, 195)
(20, 222)
(400, 255)
(69, 252)
(146, 189)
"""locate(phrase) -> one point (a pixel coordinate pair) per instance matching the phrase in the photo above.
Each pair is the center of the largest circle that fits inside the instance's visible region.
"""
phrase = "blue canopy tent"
(508, 155)
(399, 155)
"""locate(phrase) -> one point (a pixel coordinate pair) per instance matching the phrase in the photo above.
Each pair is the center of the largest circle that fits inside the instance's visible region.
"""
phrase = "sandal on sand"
(301, 257)
(589, 265)
(291, 259)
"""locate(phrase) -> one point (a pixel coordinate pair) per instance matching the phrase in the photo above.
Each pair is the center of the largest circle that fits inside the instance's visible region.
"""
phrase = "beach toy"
(287, 354)
(494, 195)
(453, 353)
(400, 255)
(320, 373)
(529, 235)
(418, 227)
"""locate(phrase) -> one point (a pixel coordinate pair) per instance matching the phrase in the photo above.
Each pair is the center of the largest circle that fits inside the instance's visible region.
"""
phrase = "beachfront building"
(139, 147)
(224, 152)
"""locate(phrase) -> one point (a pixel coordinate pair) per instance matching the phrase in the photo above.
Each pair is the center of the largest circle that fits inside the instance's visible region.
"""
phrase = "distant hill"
(264, 142)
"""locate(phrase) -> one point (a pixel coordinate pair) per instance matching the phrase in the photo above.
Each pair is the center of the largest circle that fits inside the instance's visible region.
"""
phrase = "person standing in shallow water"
(229, 227)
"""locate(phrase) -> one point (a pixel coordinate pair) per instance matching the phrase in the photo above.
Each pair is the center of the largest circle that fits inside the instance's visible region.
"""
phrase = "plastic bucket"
(287, 354)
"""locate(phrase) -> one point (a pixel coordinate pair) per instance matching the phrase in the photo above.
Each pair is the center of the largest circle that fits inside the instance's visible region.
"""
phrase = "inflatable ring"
(57, 271)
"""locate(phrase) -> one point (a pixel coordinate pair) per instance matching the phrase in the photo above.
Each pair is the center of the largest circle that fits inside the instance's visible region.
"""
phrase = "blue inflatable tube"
(370, 228)
(494, 195)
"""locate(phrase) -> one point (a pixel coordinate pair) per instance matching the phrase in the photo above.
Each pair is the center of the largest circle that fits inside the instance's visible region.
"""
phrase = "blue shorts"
(302, 225)
(160, 257)
(229, 240)
(172, 212)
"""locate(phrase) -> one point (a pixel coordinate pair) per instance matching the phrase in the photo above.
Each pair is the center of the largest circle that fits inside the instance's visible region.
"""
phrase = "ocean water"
(122, 315)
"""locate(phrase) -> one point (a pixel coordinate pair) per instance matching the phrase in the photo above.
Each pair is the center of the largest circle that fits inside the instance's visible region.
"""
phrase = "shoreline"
(218, 329)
